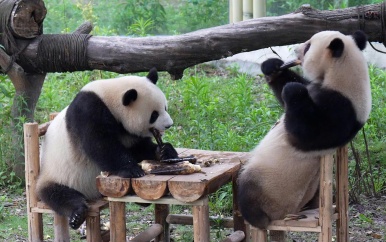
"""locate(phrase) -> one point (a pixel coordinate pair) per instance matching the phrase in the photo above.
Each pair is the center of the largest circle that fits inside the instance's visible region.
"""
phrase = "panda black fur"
(105, 128)
(323, 111)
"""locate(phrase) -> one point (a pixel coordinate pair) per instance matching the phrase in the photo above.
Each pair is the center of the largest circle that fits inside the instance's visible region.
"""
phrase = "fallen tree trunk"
(175, 53)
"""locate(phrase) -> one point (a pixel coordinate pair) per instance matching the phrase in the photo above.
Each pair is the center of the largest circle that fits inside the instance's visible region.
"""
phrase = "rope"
(383, 18)
(64, 52)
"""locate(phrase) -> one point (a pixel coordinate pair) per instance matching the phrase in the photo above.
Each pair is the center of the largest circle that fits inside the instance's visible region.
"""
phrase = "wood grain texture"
(113, 186)
(27, 18)
(152, 189)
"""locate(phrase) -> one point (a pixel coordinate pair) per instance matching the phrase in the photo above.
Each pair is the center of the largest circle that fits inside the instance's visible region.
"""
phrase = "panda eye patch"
(154, 116)
(307, 48)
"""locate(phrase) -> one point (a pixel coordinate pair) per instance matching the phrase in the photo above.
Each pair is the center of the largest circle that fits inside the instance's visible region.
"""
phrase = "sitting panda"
(107, 127)
(323, 111)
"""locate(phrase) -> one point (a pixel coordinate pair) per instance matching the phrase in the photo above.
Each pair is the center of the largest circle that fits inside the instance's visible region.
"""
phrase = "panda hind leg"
(66, 202)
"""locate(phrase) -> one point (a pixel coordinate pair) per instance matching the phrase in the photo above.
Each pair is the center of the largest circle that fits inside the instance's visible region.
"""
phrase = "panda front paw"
(271, 66)
(78, 216)
(167, 151)
(131, 172)
(294, 93)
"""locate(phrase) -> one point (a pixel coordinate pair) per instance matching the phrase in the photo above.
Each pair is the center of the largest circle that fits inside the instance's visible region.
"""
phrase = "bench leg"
(161, 212)
(117, 221)
(93, 228)
(61, 229)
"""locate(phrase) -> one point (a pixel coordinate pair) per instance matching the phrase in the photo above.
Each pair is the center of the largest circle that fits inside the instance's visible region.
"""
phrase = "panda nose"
(167, 127)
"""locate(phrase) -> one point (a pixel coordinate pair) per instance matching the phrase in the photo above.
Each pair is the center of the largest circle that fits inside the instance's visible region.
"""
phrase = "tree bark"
(175, 53)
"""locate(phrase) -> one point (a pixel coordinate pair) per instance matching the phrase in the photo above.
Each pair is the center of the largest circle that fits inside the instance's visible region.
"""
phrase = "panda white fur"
(323, 111)
(105, 128)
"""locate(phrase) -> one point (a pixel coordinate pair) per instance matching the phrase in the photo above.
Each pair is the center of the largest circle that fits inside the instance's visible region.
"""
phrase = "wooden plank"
(342, 194)
(188, 188)
(113, 186)
(325, 207)
(151, 187)
(164, 200)
(201, 223)
(32, 167)
(311, 220)
(209, 154)
(294, 229)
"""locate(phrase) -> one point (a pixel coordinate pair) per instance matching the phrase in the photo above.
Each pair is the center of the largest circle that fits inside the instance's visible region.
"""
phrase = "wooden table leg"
(201, 223)
(238, 219)
(117, 221)
(161, 212)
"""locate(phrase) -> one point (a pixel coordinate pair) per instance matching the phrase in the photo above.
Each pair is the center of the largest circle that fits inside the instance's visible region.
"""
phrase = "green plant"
(189, 15)
(141, 27)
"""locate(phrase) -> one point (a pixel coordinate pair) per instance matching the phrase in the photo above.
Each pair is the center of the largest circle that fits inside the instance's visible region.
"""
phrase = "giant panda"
(323, 111)
(107, 127)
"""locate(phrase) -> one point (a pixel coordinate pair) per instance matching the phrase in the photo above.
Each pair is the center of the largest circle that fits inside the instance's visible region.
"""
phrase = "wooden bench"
(36, 208)
(164, 190)
(319, 220)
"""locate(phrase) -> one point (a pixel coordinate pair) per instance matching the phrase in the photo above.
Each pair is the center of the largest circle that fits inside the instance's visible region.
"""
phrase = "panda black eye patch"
(154, 116)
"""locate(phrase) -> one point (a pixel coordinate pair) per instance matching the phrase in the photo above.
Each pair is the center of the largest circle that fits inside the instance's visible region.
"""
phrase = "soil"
(367, 221)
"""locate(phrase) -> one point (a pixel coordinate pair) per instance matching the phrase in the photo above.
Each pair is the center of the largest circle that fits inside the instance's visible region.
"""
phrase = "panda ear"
(153, 75)
(129, 97)
(336, 46)
(360, 39)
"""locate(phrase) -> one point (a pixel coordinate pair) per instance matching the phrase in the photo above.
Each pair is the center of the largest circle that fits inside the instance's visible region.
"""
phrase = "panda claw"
(78, 217)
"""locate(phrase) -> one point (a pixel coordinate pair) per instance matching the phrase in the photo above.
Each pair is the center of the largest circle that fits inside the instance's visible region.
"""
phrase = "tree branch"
(175, 53)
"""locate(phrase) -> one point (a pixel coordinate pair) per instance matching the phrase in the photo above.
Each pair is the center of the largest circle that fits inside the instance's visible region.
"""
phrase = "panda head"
(330, 54)
(135, 102)
(335, 61)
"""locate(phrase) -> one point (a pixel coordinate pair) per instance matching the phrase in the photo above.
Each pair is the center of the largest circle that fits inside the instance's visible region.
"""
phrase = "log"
(151, 189)
(27, 18)
(113, 186)
(236, 236)
(188, 220)
(175, 53)
(149, 234)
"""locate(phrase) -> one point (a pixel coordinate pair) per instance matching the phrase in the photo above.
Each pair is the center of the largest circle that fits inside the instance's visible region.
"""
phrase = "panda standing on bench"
(323, 111)
(105, 128)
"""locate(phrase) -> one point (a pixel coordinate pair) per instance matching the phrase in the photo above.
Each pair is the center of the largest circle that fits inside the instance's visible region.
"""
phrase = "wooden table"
(163, 190)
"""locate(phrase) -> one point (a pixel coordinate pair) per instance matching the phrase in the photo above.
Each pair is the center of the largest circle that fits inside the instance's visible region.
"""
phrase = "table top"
(184, 188)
